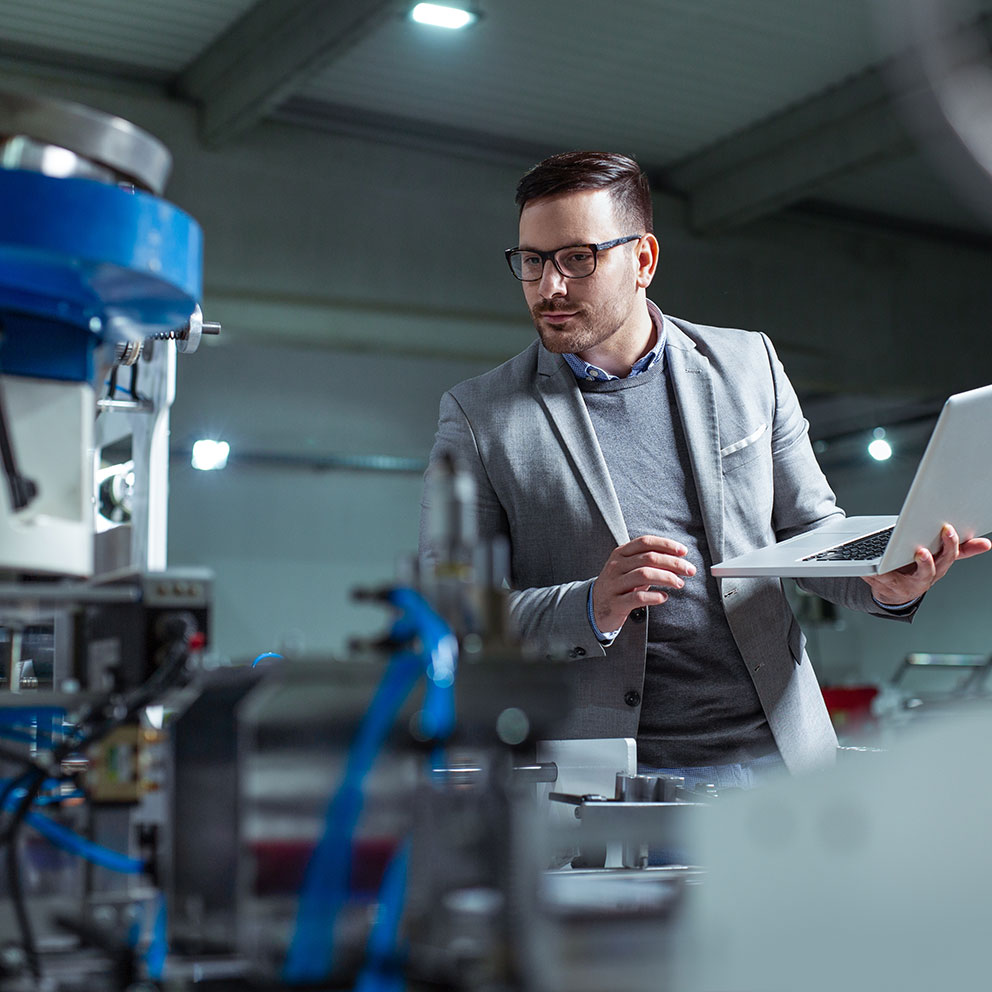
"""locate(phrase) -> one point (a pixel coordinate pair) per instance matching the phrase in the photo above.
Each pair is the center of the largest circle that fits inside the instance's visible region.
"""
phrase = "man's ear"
(648, 251)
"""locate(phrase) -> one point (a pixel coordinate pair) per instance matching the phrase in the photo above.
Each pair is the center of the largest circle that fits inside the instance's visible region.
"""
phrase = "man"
(625, 452)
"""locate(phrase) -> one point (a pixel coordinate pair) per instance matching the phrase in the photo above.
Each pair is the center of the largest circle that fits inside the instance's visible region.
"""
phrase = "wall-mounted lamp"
(210, 455)
(443, 15)
(879, 448)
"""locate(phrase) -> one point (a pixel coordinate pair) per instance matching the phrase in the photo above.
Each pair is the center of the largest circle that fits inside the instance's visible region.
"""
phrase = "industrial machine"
(99, 285)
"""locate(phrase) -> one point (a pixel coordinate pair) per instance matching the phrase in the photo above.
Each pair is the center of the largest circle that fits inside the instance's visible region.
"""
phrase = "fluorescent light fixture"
(443, 16)
(210, 455)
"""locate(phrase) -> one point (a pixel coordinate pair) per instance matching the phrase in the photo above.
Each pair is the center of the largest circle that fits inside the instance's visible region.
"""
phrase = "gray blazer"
(523, 431)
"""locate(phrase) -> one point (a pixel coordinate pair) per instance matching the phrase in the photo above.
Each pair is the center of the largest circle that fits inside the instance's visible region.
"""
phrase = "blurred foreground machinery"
(400, 819)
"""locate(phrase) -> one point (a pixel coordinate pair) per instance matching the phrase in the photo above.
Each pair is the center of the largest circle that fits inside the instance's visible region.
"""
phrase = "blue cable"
(19, 793)
(118, 388)
(158, 949)
(437, 719)
(134, 933)
(70, 841)
(57, 800)
(325, 886)
(382, 972)
(265, 655)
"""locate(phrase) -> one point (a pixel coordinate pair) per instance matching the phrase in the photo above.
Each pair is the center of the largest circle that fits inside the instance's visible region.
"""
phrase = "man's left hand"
(911, 581)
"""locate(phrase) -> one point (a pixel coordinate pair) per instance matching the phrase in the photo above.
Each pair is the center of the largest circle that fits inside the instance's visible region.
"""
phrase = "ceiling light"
(443, 16)
(210, 455)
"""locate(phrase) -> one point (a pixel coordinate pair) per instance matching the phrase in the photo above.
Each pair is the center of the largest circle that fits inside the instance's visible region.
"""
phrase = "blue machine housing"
(84, 262)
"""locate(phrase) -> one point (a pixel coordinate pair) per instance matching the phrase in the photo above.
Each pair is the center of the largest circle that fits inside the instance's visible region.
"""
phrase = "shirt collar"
(593, 373)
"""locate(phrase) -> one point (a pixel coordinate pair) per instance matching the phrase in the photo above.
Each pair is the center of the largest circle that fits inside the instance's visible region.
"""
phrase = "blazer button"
(638, 615)
(632, 698)
(579, 652)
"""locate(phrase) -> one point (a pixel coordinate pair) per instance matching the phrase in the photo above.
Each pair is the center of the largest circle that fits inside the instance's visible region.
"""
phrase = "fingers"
(925, 569)
(659, 570)
(974, 546)
(649, 552)
(626, 571)
(913, 580)
(653, 543)
(952, 547)
(641, 572)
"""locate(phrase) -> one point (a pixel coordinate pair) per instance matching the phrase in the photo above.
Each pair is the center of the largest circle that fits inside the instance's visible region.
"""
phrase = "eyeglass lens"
(575, 263)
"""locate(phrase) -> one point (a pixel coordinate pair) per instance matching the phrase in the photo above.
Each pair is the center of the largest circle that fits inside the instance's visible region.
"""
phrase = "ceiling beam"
(388, 128)
(789, 157)
(268, 54)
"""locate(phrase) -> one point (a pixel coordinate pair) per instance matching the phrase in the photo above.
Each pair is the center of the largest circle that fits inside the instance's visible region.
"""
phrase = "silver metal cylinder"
(68, 140)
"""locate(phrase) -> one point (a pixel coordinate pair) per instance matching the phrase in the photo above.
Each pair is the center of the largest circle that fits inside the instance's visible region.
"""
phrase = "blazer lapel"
(696, 402)
(560, 396)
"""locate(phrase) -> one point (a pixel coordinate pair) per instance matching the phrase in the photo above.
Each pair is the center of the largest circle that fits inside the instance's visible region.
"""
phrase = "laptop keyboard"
(861, 549)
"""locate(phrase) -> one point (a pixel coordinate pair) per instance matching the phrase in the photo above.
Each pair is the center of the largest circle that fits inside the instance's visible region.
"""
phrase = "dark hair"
(574, 172)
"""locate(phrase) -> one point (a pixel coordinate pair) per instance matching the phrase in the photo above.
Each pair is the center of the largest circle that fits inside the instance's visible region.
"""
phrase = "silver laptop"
(953, 484)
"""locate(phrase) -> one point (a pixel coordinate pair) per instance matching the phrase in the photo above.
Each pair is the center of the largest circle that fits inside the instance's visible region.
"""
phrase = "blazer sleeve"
(552, 618)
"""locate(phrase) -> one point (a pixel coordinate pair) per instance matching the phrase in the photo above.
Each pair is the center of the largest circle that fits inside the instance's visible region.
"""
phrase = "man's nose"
(552, 281)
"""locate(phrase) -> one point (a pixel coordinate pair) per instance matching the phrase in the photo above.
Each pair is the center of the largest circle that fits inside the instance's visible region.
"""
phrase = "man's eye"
(578, 257)
(530, 261)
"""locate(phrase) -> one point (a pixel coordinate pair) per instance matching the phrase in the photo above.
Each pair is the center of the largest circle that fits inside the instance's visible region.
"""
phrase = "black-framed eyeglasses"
(573, 261)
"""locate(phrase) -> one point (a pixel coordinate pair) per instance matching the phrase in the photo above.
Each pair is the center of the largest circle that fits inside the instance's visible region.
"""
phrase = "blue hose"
(70, 841)
(158, 949)
(325, 886)
(382, 970)
(440, 653)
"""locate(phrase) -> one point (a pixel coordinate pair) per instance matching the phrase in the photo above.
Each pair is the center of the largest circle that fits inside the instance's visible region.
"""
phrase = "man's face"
(574, 315)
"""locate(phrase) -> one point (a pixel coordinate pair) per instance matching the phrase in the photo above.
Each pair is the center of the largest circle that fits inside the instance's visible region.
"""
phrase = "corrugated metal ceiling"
(666, 77)
(148, 34)
(662, 79)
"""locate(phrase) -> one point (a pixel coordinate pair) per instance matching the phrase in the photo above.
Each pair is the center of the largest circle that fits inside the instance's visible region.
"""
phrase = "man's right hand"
(627, 578)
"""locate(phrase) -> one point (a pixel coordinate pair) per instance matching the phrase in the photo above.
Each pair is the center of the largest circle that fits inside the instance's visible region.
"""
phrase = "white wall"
(288, 545)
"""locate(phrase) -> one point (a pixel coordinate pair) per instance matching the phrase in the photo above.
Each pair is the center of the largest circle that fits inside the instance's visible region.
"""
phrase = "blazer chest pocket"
(740, 452)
